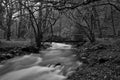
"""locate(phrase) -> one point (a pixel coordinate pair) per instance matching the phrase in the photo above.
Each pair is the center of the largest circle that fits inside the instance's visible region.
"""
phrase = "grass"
(14, 43)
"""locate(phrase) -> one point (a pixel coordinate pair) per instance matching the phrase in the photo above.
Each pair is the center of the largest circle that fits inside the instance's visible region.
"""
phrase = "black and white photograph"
(59, 39)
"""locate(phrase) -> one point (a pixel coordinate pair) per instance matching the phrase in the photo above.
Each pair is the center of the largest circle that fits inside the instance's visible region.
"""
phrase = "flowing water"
(54, 63)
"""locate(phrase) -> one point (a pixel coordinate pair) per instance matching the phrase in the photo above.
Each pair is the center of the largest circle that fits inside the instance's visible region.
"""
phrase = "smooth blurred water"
(55, 63)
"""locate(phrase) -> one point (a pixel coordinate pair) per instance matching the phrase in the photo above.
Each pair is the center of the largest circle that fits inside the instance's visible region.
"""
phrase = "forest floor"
(101, 60)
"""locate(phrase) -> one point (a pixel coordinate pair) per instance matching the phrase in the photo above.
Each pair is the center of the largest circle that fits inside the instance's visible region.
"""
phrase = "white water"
(60, 46)
(35, 67)
(34, 73)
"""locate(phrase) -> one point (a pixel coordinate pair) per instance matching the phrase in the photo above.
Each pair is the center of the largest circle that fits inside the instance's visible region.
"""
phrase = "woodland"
(91, 26)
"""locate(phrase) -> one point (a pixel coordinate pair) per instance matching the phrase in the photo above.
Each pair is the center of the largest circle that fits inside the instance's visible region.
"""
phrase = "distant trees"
(40, 15)
(88, 17)
(9, 13)
(2, 12)
(42, 18)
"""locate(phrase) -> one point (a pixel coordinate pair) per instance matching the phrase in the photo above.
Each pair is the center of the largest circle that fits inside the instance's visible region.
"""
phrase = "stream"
(55, 63)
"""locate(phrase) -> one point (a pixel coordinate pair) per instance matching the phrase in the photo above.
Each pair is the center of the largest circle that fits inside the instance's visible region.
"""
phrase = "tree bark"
(113, 25)
(8, 32)
(97, 21)
(9, 25)
(92, 35)
(38, 40)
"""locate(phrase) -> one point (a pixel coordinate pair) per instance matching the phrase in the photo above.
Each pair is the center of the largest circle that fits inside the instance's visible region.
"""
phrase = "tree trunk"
(18, 34)
(8, 33)
(92, 35)
(113, 26)
(9, 27)
(39, 35)
(20, 21)
(38, 40)
(98, 22)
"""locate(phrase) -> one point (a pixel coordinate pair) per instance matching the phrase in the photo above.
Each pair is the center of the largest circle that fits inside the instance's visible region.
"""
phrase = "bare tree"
(9, 13)
(40, 22)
